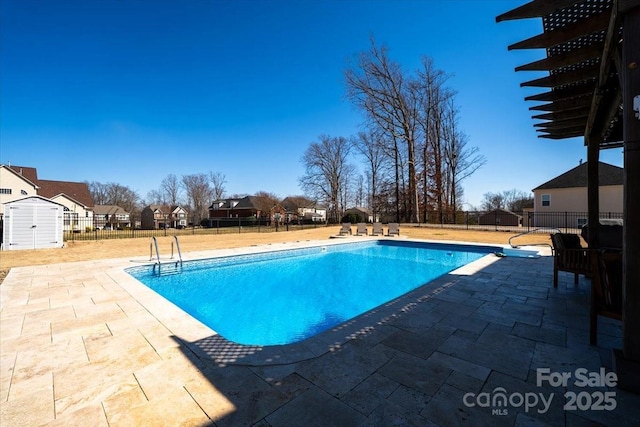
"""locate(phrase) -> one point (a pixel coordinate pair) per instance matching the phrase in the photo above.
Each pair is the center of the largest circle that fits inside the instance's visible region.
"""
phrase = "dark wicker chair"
(570, 256)
(606, 289)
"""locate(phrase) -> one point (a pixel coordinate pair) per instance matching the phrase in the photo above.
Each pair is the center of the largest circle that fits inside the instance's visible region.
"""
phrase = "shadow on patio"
(465, 348)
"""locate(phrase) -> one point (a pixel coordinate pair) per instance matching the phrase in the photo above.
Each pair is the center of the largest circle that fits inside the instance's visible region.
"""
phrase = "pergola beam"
(570, 32)
(567, 58)
(559, 79)
(535, 9)
(582, 89)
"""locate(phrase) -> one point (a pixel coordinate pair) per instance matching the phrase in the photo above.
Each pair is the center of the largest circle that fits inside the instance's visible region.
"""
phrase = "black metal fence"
(568, 222)
(85, 228)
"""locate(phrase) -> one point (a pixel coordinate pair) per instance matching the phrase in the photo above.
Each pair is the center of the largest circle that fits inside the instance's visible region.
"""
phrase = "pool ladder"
(169, 267)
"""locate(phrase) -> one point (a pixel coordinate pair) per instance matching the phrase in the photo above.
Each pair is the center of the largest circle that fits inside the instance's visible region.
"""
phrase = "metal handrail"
(153, 242)
(557, 230)
(175, 238)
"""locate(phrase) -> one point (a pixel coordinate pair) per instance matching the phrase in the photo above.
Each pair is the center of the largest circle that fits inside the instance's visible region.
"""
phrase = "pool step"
(167, 268)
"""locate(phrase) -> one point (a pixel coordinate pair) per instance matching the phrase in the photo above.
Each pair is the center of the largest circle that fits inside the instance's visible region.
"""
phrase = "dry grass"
(120, 248)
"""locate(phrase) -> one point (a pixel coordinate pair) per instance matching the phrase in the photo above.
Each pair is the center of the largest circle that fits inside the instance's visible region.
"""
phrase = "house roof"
(165, 208)
(78, 191)
(258, 203)
(293, 203)
(27, 174)
(501, 212)
(108, 210)
(577, 177)
(359, 209)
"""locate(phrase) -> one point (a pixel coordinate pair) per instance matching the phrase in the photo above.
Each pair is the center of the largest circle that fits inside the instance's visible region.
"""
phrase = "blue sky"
(131, 91)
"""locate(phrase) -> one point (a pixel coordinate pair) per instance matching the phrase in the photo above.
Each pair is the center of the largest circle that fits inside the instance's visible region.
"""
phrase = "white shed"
(32, 223)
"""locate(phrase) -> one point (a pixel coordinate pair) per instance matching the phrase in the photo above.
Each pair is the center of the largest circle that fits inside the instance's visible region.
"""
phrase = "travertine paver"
(85, 344)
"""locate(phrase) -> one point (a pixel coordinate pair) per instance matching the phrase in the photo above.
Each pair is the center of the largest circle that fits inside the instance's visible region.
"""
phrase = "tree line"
(414, 154)
(194, 192)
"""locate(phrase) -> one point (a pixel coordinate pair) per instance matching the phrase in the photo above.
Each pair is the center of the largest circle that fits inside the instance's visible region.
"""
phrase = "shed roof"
(108, 210)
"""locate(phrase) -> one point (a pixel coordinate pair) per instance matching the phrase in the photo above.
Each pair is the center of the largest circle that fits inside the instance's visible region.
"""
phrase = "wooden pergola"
(593, 91)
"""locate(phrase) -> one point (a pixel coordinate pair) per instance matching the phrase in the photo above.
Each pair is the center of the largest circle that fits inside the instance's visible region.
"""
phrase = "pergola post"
(631, 232)
(593, 192)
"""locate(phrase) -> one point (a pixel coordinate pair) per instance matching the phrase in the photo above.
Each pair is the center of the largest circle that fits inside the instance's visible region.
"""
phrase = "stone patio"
(86, 344)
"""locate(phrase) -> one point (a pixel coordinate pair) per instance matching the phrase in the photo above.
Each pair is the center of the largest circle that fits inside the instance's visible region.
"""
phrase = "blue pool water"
(287, 296)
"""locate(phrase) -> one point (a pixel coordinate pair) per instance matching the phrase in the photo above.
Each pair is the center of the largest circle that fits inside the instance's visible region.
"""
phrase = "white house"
(301, 208)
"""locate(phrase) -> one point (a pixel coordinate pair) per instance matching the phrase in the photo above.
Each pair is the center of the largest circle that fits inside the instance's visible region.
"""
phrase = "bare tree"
(266, 202)
(513, 200)
(378, 86)
(114, 194)
(326, 165)
(217, 182)
(491, 201)
(369, 144)
(99, 192)
(460, 161)
(156, 198)
(170, 188)
(199, 195)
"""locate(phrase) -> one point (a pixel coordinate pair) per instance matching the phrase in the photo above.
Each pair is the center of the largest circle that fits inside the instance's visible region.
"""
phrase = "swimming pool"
(282, 297)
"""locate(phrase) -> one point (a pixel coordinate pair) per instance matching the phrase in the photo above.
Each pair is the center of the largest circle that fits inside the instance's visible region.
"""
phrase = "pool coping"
(206, 343)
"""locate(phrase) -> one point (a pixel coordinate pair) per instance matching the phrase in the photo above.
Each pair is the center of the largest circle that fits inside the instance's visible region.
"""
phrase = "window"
(5, 191)
(23, 192)
(546, 200)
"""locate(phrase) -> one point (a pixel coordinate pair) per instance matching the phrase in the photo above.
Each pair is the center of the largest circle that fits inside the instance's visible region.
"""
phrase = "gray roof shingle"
(577, 177)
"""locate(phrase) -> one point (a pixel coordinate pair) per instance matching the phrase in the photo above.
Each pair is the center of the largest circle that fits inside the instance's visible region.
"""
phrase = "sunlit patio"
(85, 344)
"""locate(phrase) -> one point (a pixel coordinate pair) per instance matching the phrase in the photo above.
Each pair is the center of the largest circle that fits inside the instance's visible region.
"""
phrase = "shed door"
(20, 227)
(45, 234)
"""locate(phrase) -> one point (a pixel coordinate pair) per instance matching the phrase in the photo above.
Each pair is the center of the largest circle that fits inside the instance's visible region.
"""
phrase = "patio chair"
(394, 229)
(377, 229)
(346, 229)
(606, 289)
(361, 229)
(569, 256)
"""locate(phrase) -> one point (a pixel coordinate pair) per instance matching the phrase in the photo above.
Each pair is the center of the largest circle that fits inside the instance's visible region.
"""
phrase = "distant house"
(163, 216)
(299, 208)
(500, 217)
(364, 214)
(21, 181)
(247, 207)
(568, 193)
(110, 217)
